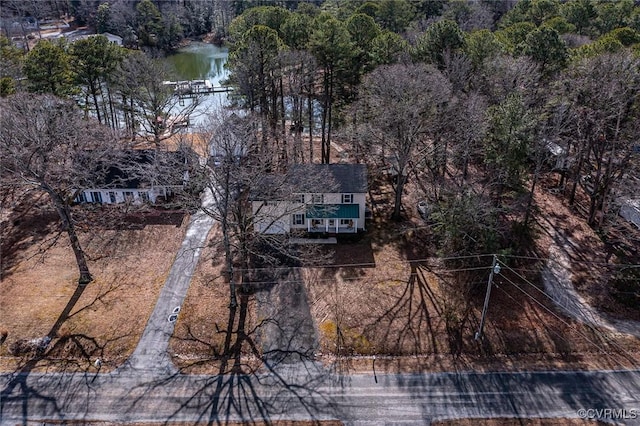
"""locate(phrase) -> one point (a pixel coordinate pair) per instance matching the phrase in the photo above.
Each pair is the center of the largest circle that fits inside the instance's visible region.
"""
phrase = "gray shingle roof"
(347, 178)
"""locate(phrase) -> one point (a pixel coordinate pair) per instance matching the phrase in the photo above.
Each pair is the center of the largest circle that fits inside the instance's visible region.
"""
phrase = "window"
(317, 198)
(271, 203)
(144, 196)
(128, 196)
(298, 198)
(81, 198)
(96, 197)
(347, 198)
(317, 222)
(346, 222)
(298, 219)
(112, 196)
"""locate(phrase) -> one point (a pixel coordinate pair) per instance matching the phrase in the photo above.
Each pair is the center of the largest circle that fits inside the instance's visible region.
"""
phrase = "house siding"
(120, 195)
(271, 219)
(630, 210)
(279, 218)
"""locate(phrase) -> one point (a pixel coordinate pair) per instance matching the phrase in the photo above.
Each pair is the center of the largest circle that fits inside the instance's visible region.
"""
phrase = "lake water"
(202, 61)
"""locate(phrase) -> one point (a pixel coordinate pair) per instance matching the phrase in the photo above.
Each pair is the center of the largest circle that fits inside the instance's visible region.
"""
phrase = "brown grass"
(40, 294)
(409, 312)
(410, 317)
(198, 342)
(395, 307)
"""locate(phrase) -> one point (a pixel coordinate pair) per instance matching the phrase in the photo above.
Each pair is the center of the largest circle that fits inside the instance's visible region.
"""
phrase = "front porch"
(333, 218)
(329, 228)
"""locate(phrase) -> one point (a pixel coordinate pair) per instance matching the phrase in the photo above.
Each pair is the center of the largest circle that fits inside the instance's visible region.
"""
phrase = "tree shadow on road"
(68, 353)
(518, 395)
(251, 386)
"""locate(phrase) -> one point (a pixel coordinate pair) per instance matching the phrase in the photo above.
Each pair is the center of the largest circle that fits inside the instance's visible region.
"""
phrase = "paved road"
(357, 400)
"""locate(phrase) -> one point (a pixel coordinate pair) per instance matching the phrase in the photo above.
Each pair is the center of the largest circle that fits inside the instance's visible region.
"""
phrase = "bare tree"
(236, 174)
(46, 144)
(228, 139)
(298, 74)
(601, 96)
(150, 106)
(505, 75)
(467, 124)
(399, 105)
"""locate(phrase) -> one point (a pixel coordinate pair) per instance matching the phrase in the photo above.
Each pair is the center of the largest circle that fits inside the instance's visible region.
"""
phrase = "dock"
(189, 88)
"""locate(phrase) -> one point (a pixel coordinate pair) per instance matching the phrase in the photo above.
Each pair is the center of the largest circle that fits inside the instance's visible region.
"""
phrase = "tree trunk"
(67, 222)
(310, 108)
(397, 214)
(527, 214)
(327, 157)
(224, 222)
(114, 120)
(323, 127)
(94, 95)
(229, 261)
(576, 176)
(283, 115)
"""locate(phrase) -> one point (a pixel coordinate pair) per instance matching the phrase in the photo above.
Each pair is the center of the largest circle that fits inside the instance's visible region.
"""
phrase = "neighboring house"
(556, 156)
(139, 179)
(327, 198)
(84, 34)
(630, 210)
(115, 39)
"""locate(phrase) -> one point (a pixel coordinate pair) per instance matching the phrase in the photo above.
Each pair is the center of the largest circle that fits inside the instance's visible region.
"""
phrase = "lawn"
(387, 301)
(129, 257)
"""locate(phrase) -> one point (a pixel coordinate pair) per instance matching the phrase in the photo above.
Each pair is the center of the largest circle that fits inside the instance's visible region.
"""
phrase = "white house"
(130, 180)
(328, 198)
(630, 210)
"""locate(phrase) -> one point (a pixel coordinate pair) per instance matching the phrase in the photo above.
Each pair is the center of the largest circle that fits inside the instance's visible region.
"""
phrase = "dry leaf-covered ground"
(401, 308)
(129, 258)
(388, 303)
(199, 343)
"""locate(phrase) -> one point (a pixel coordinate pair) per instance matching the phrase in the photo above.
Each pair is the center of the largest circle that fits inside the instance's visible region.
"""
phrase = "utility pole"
(495, 269)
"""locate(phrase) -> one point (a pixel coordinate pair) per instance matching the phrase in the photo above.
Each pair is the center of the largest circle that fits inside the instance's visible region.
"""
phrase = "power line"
(522, 305)
(589, 262)
(333, 279)
(591, 326)
(569, 325)
(432, 259)
(368, 264)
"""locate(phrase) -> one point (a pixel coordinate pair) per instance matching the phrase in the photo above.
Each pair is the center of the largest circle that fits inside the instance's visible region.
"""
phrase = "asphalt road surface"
(297, 392)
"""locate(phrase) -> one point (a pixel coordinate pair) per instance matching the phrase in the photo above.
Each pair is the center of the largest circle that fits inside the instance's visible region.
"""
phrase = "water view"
(202, 61)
